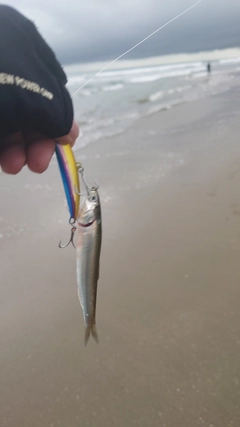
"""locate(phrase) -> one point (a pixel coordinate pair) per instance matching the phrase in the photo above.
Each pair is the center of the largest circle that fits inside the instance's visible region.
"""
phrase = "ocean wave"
(155, 96)
(165, 107)
(90, 137)
(105, 127)
(158, 108)
(85, 92)
(146, 79)
(161, 94)
(177, 73)
(134, 75)
(229, 61)
(79, 79)
(142, 92)
(113, 87)
(150, 69)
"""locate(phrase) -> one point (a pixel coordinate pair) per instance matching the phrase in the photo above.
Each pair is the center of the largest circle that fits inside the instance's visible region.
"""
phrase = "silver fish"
(88, 247)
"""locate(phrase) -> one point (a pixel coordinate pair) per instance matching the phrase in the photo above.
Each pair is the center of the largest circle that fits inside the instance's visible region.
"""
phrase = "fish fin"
(94, 333)
(90, 330)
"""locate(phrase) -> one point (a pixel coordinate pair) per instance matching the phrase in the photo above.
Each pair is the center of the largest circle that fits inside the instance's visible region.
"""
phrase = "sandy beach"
(168, 314)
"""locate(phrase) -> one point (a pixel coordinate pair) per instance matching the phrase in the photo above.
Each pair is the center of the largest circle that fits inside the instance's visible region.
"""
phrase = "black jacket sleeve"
(33, 95)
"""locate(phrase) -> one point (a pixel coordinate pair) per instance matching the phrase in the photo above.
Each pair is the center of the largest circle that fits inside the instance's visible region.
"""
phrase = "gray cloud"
(103, 29)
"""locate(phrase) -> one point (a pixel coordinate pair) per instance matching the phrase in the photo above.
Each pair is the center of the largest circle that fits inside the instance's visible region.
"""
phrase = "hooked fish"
(88, 248)
(87, 225)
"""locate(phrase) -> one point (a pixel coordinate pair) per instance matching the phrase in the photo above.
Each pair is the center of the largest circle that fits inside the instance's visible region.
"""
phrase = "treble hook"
(78, 192)
(73, 229)
(80, 169)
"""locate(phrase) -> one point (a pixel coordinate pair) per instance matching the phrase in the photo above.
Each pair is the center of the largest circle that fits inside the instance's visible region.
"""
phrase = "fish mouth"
(88, 224)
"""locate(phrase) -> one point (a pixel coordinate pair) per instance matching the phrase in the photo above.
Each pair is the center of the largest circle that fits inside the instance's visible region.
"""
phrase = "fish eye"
(93, 198)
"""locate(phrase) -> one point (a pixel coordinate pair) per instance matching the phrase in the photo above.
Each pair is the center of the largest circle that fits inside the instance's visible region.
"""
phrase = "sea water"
(116, 98)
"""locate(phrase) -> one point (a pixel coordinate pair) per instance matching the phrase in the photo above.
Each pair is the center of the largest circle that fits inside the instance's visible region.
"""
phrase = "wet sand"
(168, 314)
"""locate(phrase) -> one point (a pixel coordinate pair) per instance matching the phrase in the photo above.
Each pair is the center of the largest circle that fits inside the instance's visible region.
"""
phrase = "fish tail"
(90, 330)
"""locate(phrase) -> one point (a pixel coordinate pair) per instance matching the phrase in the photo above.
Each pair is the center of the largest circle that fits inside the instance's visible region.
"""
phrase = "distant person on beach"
(35, 106)
(209, 68)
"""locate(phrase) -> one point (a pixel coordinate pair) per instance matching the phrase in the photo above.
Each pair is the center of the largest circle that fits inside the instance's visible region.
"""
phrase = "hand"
(33, 95)
(31, 149)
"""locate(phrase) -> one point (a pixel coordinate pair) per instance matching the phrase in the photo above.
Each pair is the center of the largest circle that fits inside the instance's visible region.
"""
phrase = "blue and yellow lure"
(70, 178)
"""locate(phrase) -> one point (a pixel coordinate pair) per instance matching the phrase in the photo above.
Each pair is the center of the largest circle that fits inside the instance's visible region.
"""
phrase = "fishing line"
(138, 44)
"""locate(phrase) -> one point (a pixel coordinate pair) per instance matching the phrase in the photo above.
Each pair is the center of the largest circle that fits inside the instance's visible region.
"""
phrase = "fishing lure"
(70, 178)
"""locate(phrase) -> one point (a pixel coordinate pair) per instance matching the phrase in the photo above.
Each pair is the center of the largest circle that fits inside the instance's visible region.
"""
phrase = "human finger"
(39, 154)
(13, 155)
(71, 137)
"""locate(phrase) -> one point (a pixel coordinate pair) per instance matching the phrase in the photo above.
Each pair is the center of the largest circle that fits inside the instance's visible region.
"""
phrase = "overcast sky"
(93, 30)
